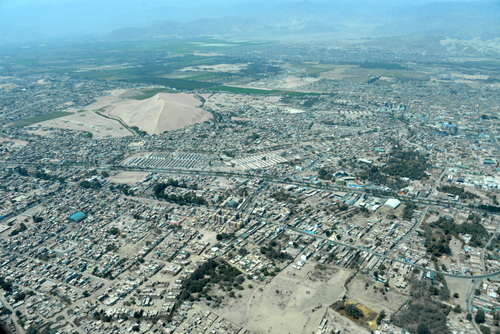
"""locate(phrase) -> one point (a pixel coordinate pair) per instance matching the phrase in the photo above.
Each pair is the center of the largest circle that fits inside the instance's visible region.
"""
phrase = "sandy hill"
(162, 112)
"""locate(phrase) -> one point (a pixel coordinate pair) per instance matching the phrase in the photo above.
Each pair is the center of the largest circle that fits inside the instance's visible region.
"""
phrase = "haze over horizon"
(43, 20)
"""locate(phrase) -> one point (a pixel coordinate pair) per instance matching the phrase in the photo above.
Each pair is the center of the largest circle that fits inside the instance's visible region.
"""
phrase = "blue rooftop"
(78, 217)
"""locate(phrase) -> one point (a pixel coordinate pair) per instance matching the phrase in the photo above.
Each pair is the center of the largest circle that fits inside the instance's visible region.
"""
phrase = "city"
(280, 191)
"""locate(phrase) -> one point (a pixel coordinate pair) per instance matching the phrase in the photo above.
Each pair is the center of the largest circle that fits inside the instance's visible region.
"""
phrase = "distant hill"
(438, 45)
(464, 20)
(444, 26)
(421, 28)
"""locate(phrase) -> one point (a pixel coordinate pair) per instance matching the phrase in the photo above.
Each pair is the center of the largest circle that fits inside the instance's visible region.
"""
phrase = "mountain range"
(461, 28)
(445, 26)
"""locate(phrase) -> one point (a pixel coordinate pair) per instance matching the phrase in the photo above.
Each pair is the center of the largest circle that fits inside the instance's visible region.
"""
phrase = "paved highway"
(269, 178)
(305, 184)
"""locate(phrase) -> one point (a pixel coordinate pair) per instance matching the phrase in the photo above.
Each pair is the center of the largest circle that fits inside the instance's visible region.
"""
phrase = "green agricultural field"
(240, 90)
(38, 119)
(179, 84)
(208, 76)
(313, 70)
(486, 64)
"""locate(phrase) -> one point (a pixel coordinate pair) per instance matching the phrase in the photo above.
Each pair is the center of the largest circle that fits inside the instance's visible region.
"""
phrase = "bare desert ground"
(88, 121)
(111, 115)
(372, 297)
(294, 302)
(162, 112)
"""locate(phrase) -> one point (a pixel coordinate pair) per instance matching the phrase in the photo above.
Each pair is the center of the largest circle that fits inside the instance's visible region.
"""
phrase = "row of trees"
(5, 285)
(454, 190)
(159, 187)
(475, 229)
(423, 314)
(22, 227)
(285, 196)
(39, 174)
(408, 164)
(325, 174)
(350, 310)
(94, 184)
(209, 273)
(181, 199)
(376, 175)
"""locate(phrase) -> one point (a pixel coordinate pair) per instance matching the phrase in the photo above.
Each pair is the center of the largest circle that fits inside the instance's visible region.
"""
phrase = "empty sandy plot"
(129, 178)
(8, 86)
(372, 297)
(289, 304)
(339, 73)
(162, 112)
(110, 116)
(88, 121)
(16, 143)
(216, 68)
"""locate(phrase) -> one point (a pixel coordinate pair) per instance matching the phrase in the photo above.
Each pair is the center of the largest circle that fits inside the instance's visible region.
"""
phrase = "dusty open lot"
(216, 68)
(338, 73)
(372, 297)
(88, 121)
(288, 304)
(129, 178)
(14, 143)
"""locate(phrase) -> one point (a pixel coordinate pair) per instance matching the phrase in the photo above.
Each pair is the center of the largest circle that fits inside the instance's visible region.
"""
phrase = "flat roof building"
(392, 203)
(78, 217)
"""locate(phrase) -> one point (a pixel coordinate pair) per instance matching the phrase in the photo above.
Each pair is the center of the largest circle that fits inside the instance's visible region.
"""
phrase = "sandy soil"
(228, 101)
(129, 178)
(294, 82)
(215, 68)
(89, 121)
(338, 73)
(16, 142)
(289, 304)
(460, 286)
(162, 112)
(8, 86)
(373, 298)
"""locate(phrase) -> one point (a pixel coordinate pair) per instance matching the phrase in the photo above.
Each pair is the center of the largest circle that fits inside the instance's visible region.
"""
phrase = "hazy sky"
(40, 19)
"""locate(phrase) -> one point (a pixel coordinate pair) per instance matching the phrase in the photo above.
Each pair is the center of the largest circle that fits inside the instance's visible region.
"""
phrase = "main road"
(269, 178)
(273, 179)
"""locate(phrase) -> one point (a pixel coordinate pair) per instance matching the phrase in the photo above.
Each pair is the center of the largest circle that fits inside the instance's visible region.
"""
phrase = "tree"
(5, 311)
(114, 231)
(353, 311)
(444, 293)
(480, 317)
(31, 330)
(381, 317)
(37, 219)
(423, 329)
(485, 329)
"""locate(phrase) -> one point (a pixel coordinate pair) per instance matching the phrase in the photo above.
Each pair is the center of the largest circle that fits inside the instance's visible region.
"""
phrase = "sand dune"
(162, 112)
